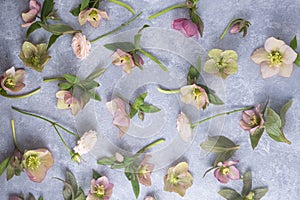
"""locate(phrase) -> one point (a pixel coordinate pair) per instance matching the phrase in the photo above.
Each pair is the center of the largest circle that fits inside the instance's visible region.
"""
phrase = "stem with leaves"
(229, 25)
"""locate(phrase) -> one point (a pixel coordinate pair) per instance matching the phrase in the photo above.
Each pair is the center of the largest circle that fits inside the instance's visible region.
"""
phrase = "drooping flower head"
(221, 63)
(12, 80)
(252, 120)
(226, 171)
(123, 59)
(81, 46)
(36, 163)
(184, 127)
(275, 58)
(86, 143)
(93, 16)
(178, 179)
(66, 101)
(194, 95)
(101, 189)
(186, 26)
(29, 17)
(144, 171)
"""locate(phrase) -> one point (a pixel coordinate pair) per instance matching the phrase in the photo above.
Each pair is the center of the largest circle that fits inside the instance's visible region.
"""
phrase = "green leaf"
(70, 179)
(149, 108)
(133, 112)
(259, 193)
(94, 95)
(96, 175)
(34, 26)
(135, 185)
(273, 127)
(297, 61)
(75, 12)
(265, 107)
(118, 166)
(80, 195)
(256, 137)
(41, 198)
(65, 85)
(58, 29)
(71, 79)
(247, 183)
(212, 97)
(283, 112)
(52, 40)
(88, 84)
(107, 161)
(68, 192)
(10, 172)
(140, 100)
(229, 194)
(96, 73)
(30, 197)
(124, 46)
(293, 43)
(94, 3)
(197, 20)
(137, 37)
(4, 165)
(84, 4)
(193, 75)
(223, 156)
(47, 9)
(218, 144)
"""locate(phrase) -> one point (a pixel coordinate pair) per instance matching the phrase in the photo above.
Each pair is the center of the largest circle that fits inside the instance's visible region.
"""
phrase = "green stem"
(53, 79)
(152, 144)
(12, 122)
(166, 10)
(153, 58)
(123, 5)
(168, 91)
(228, 26)
(61, 138)
(118, 28)
(23, 95)
(94, 5)
(220, 114)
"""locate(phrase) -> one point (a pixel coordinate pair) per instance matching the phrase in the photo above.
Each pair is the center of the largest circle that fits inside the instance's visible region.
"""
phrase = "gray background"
(275, 165)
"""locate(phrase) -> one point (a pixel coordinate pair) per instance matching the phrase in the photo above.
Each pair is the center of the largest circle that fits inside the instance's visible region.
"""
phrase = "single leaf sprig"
(294, 45)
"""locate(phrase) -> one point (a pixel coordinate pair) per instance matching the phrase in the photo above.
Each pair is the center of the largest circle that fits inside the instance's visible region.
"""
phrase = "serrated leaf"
(247, 183)
(4, 165)
(133, 112)
(124, 46)
(256, 137)
(297, 61)
(84, 4)
(229, 194)
(65, 85)
(71, 79)
(273, 126)
(34, 26)
(75, 11)
(70, 179)
(47, 8)
(10, 172)
(293, 43)
(218, 144)
(96, 73)
(283, 112)
(31, 197)
(193, 75)
(52, 40)
(259, 193)
(107, 161)
(149, 108)
(225, 155)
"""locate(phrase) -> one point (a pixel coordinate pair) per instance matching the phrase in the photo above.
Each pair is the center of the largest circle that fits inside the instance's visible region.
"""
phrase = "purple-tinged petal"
(234, 173)
(220, 177)
(230, 163)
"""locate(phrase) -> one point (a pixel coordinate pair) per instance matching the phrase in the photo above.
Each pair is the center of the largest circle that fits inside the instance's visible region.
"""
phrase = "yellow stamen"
(100, 191)
(94, 15)
(225, 170)
(33, 162)
(10, 83)
(275, 57)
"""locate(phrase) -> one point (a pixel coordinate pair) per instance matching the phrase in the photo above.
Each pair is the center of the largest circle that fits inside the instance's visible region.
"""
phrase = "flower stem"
(153, 58)
(228, 26)
(220, 114)
(168, 91)
(118, 28)
(152, 144)
(166, 10)
(23, 95)
(53, 79)
(12, 122)
(130, 9)
(63, 141)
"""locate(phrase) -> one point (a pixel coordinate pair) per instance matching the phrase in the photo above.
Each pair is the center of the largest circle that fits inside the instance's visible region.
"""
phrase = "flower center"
(275, 57)
(10, 83)
(173, 179)
(225, 170)
(100, 191)
(94, 15)
(197, 92)
(35, 60)
(254, 121)
(33, 162)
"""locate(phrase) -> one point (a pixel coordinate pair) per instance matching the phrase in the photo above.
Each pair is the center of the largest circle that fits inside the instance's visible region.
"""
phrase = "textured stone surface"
(275, 165)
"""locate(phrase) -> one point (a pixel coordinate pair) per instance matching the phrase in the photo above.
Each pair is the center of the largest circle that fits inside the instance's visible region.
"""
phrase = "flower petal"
(286, 70)
(210, 67)
(272, 44)
(268, 71)
(184, 127)
(260, 55)
(220, 177)
(229, 54)
(215, 54)
(231, 68)
(244, 125)
(29, 49)
(288, 54)
(234, 173)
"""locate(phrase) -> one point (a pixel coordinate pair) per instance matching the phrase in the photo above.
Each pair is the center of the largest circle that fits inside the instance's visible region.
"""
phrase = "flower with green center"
(194, 95)
(275, 58)
(36, 163)
(221, 63)
(12, 80)
(144, 171)
(178, 179)
(93, 16)
(34, 56)
(66, 101)
(226, 171)
(101, 189)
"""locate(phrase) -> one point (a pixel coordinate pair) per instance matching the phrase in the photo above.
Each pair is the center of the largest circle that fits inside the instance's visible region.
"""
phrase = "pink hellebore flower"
(275, 58)
(101, 189)
(81, 46)
(93, 16)
(184, 127)
(144, 171)
(121, 120)
(227, 171)
(186, 26)
(12, 80)
(121, 58)
(29, 17)
(252, 120)
(194, 95)
(66, 101)
(36, 163)
(86, 143)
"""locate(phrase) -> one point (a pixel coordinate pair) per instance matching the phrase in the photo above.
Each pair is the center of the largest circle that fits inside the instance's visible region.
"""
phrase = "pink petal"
(190, 28)
(177, 24)
(221, 178)
(246, 117)
(252, 130)
(29, 16)
(234, 173)
(33, 4)
(121, 119)
(267, 71)
(244, 125)
(260, 55)
(230, 163)
(286, 70)
(273, 44)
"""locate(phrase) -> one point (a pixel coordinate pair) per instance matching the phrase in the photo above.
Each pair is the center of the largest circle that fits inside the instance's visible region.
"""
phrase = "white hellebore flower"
(86, 142)
(184, 127)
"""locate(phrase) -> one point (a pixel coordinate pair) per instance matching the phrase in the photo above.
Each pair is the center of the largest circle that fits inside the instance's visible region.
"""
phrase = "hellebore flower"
(93, 16)
(227, 171)
(221, 63)
(81, 46)
(144, 171)
(36, 163)
(252, 120)
(186, 26)
(86, 143)
(66, 101)
(275, 58)
(29, 17)
(12, 80)
(178, 179)
(34, 56)
(101, 189)
(149, 198)
(121, 120)
(194, 95)
(184, 127)
(121, 58)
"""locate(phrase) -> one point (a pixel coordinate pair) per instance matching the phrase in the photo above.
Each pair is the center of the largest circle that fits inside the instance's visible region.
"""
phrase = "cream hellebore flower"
(178, 179)
(29, 17)
(221, 63)
(121, 120)
(275, 58)
(86, 143)
(66, 101)
(12, 80)
(93, 16)
(101, 189)
(81, 46)
(184, 127)
(36, 163)
(144, 171)
(121, 58)
(194, 95)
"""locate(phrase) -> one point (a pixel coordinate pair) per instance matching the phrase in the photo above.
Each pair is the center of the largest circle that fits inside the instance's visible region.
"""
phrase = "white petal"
(288, 54)
(286, 70)
(267, 71)
(272, 44)
(260, 55)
